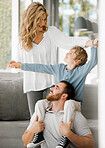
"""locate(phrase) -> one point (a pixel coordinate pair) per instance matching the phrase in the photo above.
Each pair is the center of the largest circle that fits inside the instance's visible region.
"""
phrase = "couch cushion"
(90, 106)
(12, 129)
(11, 133)
(93, 124)
(13, 103)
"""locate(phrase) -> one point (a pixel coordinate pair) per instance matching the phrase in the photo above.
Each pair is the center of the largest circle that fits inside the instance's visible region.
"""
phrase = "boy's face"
(70, 57)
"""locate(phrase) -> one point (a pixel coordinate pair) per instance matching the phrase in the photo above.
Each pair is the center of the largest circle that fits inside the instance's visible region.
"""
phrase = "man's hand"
(13, 64)
(37, 126)
(65, 129)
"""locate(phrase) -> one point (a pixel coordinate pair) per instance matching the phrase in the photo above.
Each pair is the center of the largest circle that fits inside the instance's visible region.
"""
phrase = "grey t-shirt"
(52, 122)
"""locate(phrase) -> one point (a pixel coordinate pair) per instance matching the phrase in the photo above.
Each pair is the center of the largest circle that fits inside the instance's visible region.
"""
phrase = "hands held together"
(13, 64)
(95, 42)
(89, 43)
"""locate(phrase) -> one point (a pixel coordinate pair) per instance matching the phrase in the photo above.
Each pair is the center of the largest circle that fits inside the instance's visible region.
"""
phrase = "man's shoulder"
(79, 120)
(80, 125)
(79, 117)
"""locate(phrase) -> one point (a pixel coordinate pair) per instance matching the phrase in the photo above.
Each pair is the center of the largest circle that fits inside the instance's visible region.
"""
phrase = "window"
(11, 12)
(22, 7)
(5, 32)
(69, 10)
(41, 1)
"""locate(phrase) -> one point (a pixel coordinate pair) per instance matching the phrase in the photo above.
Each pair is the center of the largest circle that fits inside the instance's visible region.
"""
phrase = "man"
(80, 136)
(75, 72)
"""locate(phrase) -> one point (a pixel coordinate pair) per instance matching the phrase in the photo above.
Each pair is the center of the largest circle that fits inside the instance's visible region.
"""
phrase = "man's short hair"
(69, 89)
(81, 55)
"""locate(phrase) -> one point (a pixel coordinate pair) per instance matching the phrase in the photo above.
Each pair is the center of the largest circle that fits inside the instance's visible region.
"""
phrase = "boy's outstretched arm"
(41, 68)
(86, 68)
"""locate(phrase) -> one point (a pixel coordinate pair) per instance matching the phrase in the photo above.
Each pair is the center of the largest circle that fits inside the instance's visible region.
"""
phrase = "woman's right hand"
(37, 126)
(95, 42)
(13, 64)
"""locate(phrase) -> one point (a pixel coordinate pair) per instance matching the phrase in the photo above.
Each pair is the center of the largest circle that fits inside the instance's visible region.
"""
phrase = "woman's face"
(42, 23)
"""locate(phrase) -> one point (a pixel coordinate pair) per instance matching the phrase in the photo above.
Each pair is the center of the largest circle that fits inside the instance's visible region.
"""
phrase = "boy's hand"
(13, 64)
(88, 43)
(95, 42)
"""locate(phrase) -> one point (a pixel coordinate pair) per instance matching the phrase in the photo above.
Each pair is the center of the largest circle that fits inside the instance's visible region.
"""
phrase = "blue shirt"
(76, 76)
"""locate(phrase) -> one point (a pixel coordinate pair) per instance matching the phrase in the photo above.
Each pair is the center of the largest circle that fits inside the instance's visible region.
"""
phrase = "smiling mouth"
(51, 93)
(41, 26)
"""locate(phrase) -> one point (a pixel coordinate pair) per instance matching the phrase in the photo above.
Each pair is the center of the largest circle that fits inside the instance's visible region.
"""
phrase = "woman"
(38, 44)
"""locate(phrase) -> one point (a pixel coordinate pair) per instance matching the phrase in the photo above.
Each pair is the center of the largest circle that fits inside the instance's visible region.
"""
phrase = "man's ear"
(64, 96)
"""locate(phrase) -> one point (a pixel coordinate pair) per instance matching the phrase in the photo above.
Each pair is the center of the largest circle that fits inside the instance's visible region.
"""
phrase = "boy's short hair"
(81, 55)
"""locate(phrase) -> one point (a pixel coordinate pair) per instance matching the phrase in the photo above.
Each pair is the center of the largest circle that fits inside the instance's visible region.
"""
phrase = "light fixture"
(80, 24)
(89, 26)
(95, 28)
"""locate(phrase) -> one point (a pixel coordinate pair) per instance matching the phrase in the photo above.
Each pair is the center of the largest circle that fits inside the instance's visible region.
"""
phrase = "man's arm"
(86, 141)
(27, 137)
(37, 127)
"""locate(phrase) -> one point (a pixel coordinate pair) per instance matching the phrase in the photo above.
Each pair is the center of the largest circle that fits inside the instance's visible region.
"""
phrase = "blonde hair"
(81, 55)
(30, 19)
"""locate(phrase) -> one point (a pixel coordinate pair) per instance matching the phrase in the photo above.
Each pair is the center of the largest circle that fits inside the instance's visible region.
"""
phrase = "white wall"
(101, 53)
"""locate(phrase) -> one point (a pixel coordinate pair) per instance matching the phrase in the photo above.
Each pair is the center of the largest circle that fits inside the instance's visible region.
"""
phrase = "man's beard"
(54, 97)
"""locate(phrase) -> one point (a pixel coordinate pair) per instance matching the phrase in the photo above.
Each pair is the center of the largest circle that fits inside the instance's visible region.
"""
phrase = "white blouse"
(46, 53)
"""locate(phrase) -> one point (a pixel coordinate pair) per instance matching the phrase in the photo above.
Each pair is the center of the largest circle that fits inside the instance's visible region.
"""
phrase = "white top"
(46, 53)
(52, 122)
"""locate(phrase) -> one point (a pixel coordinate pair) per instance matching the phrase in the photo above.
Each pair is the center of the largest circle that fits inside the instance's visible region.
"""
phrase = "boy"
(74, 72)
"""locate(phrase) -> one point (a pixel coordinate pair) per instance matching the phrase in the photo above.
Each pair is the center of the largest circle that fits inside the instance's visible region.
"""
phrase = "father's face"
(56, 92)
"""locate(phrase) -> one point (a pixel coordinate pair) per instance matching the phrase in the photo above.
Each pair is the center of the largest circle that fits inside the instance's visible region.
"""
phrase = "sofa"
(14, 112)
(90, 109)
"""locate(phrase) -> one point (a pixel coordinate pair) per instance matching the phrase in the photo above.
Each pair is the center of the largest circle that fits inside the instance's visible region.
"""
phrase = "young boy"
(74, 72)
